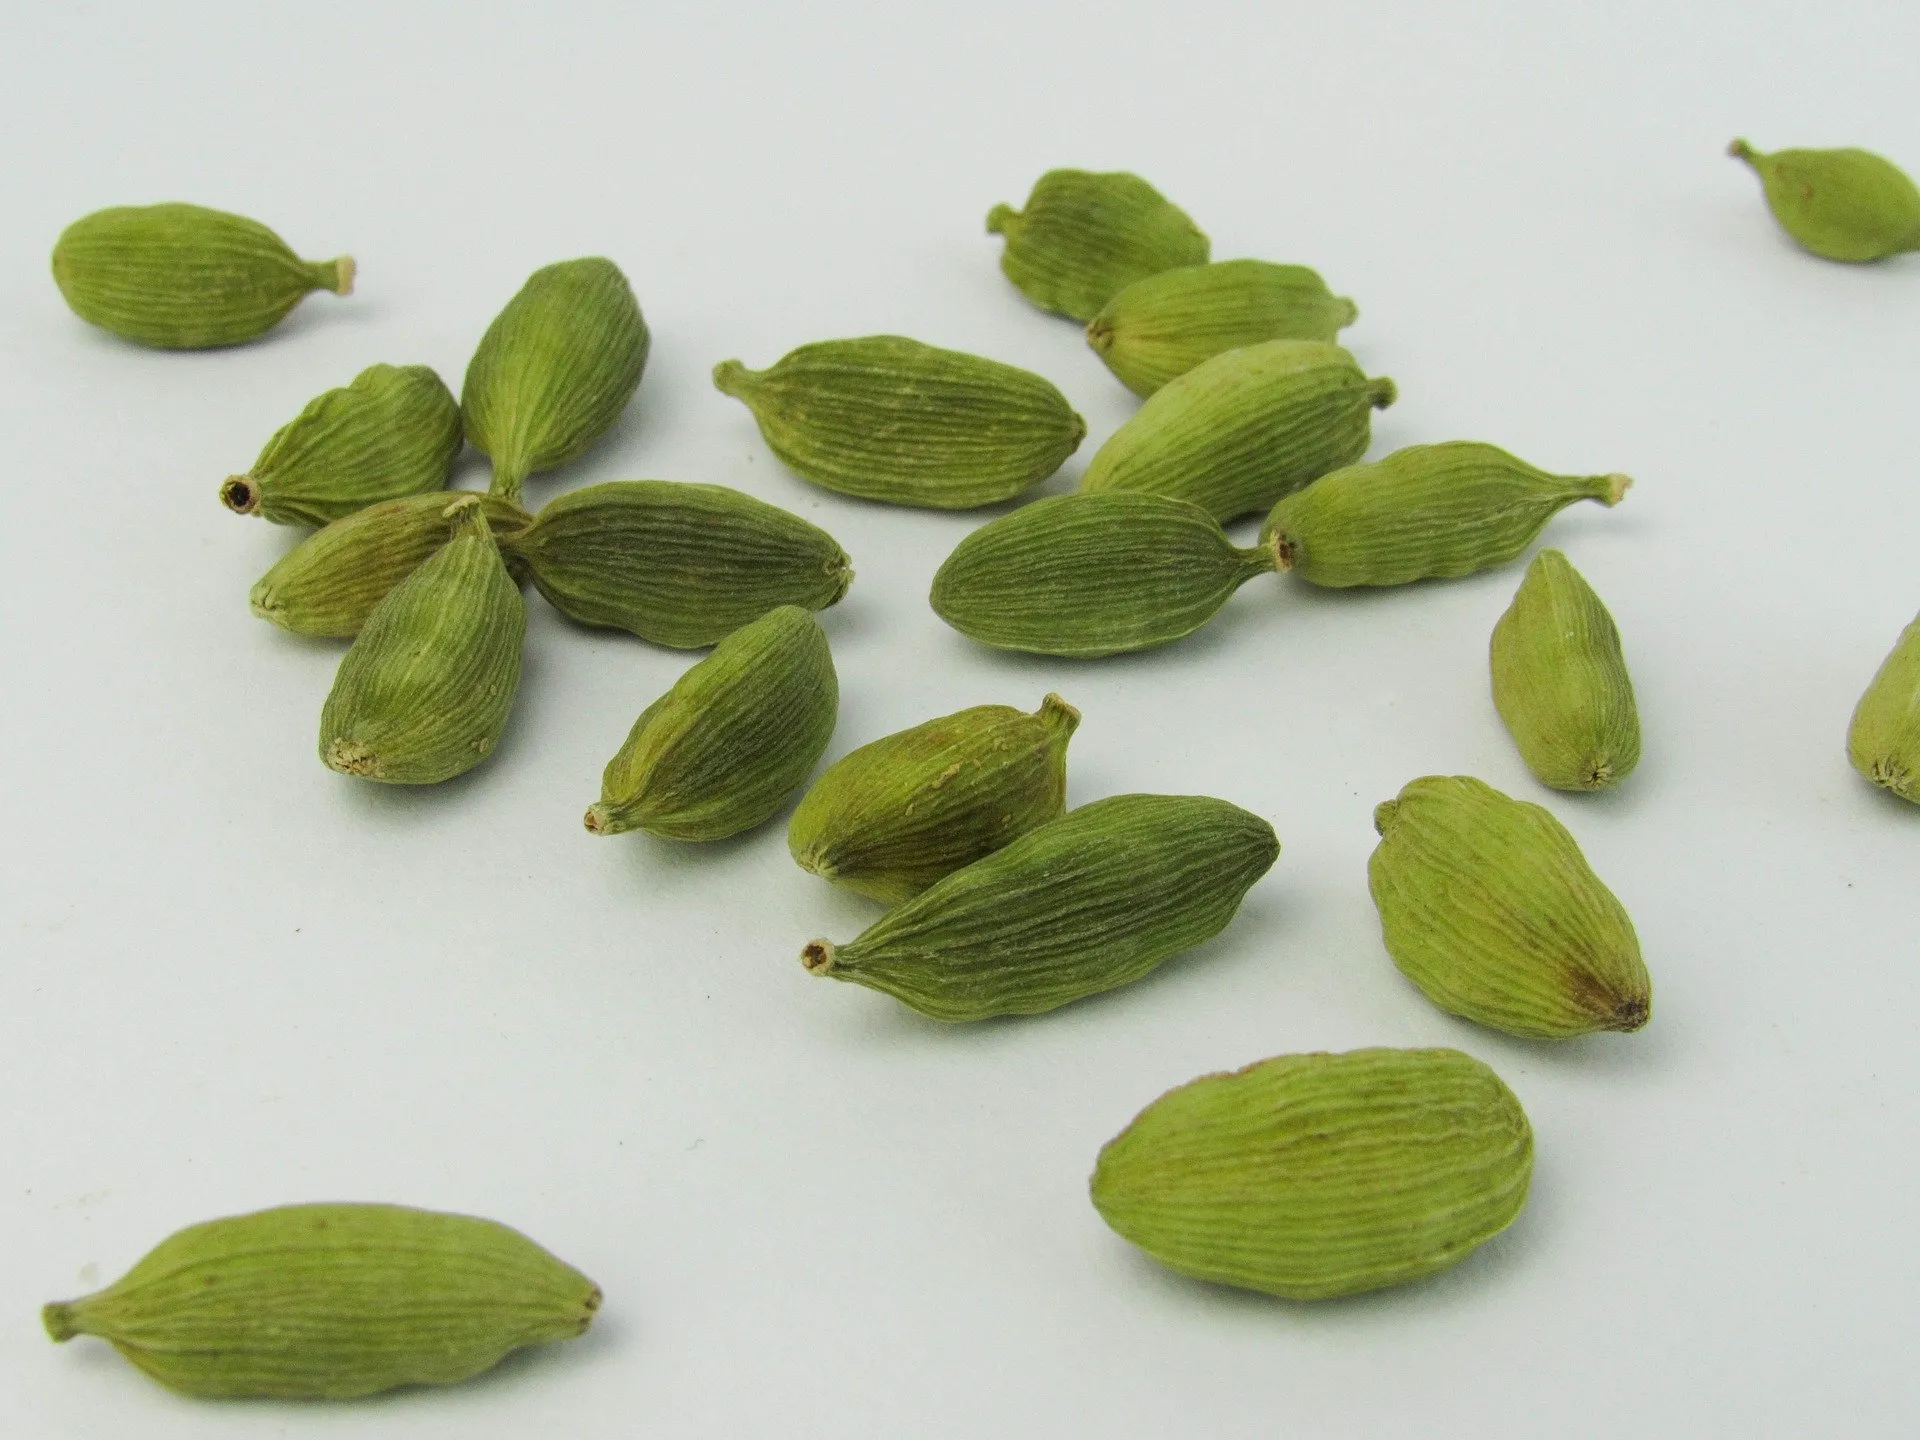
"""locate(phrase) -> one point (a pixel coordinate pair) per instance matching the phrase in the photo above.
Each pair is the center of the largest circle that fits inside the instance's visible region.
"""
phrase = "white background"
(233, 979)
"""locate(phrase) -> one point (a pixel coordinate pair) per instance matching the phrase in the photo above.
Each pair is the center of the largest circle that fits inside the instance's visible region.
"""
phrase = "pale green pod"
(1317, 1176)
(394, 432)
(736, 735)
(1091, 575)
(1239, 431)
(888, 418)
(331, 1302)
(424, 692)
(678, 564)
(1159, 328)
(1560, 680)
(1487, 904)
(1425, 511)
(183, 277)
(554, 370)
(1086, 235)
(1883, 742)
(1840, 204)
(1086, 903)
(896, 815)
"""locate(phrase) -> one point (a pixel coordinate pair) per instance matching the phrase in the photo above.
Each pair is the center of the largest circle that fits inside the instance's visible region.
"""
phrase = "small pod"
(183, 277)
(888, 418)
(394, 432)
(1425, 511)
(1085, 236)
(737, 734)
(425, 690)
(1487, 904)
(1091, 575)
(1840, 204)
(331, 1302)
(1243, 429)
(554, 370)
(1085, 903)
(894, 816)
(1560, 681)
(1883, 742)
(678, 564)
(1317, 1176)
(1163, 326)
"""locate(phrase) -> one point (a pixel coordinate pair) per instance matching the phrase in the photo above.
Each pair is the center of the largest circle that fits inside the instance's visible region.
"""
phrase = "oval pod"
(1883, 739)
(1840, 204)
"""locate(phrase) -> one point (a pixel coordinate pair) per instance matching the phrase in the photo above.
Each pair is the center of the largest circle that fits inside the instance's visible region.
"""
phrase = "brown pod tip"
(1283, 550)
(596, 820)
(240, 494)
(818, 957)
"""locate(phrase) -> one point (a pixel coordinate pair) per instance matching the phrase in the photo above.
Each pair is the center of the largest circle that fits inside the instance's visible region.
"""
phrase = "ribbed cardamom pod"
(1487, 904)
(330, 1302)
(1840, 204)
(1316, 1176)
(394, 432)
(1241, 430)
(1425, 511)
(1085, 903)
(554, 370)
(736, 735)
(1884, 739)
(329, 583)
(1085, 236)
(888, 418)
(1560, 681)
(182, 277)
(1163, 326)
(425, 690)
(896, 815)
(1090, 575)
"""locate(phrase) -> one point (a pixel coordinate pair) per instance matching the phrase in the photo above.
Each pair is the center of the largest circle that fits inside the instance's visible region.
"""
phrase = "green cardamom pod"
(1428, 510)
(1316, 1176)
(182, 277)
(330, 1302)
(1487, 904)
(424, 691)
(1163, 326)
(1085, 236)
(888, 418)
(1090, 575)
(554, 370)
(1239, 431)
(894, 816)
(736, 735)
(330, 582)
(1560, 682)
(394, 432)
(1085, 903)
(1840, 204)
(1884, 739)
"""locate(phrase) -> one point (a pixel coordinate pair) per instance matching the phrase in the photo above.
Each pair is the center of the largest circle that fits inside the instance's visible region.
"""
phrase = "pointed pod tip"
(240, 494)
(1382, 392)
(1350, 310)
(58, 1318)
(730, 378)
(818, 957)
(1057, 714)
(999, 218)
(1741, 150)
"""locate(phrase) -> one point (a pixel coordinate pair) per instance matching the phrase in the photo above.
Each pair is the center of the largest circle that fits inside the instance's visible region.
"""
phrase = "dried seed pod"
(1883, 742)
(1840, 204)
(1085, 236)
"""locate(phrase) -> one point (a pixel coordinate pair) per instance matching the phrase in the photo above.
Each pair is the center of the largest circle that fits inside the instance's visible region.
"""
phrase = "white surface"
(233, 979)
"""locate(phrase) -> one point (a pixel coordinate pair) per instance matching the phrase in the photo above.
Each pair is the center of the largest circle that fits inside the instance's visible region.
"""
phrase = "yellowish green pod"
(1085, 236)
(1840, 204)
(1883, 742)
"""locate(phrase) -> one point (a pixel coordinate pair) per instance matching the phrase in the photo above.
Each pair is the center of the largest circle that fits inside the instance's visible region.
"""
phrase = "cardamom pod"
(1840, 204)
(394, 432)
(424, 691)
(554, 370)
(330, 582)
(1085, 903)
(1163, 326)
(1316, 1176)
(1883, 740)
(1085, 236)
(1239, 431)
(1090, 575)
(888, 418)
(183, 277)
(330, 1302)
(1428, 510)
(896, 815)
(736, 735)
(1560, 682)
(1487, 904)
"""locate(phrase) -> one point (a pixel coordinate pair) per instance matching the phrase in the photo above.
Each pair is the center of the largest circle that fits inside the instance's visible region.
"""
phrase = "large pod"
(1883, 741)
(1840, 204)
